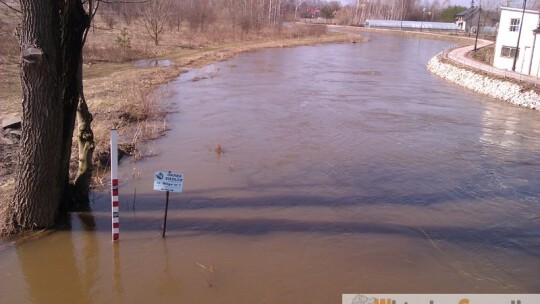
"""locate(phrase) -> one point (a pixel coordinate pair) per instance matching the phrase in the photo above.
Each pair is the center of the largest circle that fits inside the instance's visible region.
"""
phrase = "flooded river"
(346, 169)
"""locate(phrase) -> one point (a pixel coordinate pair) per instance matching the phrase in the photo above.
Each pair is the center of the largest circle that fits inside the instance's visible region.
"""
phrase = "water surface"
(144, 63)
(346, 169)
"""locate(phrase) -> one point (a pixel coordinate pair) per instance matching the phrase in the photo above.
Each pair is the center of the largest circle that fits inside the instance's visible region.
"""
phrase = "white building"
(528, 60)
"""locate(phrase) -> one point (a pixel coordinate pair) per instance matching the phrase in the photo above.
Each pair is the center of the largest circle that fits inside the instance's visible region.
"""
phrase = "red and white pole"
(115, 212)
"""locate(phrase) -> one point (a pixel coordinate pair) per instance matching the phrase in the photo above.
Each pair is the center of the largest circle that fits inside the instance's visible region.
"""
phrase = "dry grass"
(485, 54)
(7, 185)
(139, 116)
(10, 90)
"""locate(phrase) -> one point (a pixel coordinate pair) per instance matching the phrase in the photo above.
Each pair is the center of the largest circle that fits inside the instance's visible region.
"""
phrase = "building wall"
(462, 24)
(473, 21)
(467, 23)
(507, 38)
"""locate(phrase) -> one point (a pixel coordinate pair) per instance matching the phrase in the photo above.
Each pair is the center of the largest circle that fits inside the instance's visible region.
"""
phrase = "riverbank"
(518, 93)
(125, 95)
(460, 40)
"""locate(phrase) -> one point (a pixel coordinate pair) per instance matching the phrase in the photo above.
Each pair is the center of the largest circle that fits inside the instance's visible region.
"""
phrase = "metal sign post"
(114, 186)
(170, 182)
(165, 218)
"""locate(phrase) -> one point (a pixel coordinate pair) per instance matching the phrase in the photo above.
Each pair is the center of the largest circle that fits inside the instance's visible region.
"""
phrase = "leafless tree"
(201, 14)
(255, 14)
(154, 15)
(346, 15)
(234, 8)
(179, 12)
(129, 12)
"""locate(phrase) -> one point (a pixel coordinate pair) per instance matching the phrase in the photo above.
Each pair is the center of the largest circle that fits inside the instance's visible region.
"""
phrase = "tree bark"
(75, 21)
(37, 192)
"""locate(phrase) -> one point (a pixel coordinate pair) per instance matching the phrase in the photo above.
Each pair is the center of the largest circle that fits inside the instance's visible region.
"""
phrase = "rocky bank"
(493, 86)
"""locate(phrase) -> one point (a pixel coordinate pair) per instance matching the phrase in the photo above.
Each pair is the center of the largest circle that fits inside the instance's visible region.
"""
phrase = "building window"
(514, 24)
(508, 51)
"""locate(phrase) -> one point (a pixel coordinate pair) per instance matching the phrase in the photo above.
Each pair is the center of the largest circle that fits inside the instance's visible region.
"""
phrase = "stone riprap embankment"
(484, 84)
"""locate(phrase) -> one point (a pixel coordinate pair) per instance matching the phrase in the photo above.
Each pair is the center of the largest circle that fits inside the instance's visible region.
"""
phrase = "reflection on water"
(347, 168)
(118, 288)
(55, 260)
(513, 133)
(145, 63)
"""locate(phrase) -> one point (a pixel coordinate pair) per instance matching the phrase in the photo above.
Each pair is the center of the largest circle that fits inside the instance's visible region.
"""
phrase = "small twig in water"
(207, 273)
(219, 149)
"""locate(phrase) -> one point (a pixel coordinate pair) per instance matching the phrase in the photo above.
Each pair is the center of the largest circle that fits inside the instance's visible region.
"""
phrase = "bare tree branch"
(154, 15)
(93, 6)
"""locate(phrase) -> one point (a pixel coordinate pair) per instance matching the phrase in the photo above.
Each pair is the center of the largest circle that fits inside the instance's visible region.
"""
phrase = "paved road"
(460, 55)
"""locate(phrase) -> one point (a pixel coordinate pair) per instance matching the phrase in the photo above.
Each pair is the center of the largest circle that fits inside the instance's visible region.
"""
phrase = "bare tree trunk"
(85, 140)
(38, 190)
(270, 12)
(75, 22)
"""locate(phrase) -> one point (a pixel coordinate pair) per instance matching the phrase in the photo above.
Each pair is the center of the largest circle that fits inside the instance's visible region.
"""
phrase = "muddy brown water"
(346, 169)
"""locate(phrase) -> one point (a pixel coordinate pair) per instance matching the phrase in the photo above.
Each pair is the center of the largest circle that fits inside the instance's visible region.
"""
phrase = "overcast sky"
(466, 3)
